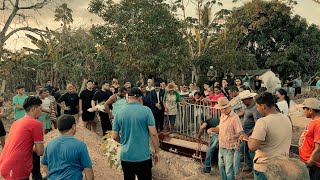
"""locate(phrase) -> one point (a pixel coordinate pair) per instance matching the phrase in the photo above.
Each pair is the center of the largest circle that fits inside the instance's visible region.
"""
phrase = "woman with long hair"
(283, 101)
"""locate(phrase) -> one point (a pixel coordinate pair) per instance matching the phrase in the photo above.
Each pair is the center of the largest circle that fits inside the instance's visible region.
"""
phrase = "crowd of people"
(254, 126)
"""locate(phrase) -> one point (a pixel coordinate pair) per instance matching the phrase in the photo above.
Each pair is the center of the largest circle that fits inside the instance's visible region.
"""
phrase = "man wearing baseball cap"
(136, 124)
(309, 143)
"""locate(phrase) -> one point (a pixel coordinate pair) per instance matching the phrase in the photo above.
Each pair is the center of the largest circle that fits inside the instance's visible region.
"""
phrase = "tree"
(64, 14)
(18, 10)
(264, 28)
(145, 36)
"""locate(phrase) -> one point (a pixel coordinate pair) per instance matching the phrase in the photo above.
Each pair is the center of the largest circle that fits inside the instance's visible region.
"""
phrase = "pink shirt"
(215, 97)
(229, 127)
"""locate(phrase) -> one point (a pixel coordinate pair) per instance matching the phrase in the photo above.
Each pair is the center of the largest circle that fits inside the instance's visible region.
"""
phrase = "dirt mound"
(100, 164)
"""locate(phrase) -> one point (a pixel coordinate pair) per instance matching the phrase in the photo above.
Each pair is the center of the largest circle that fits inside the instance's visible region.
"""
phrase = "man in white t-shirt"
(271, 137)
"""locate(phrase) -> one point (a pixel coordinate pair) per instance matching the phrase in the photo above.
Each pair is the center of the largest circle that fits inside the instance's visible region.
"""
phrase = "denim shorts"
(172, 119)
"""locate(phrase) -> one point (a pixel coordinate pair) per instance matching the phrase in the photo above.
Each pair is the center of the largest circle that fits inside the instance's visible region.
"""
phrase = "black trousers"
(314, 172)
(297, 90)
(105, 122)
(141, 169)
(159, 118)
(36, 174)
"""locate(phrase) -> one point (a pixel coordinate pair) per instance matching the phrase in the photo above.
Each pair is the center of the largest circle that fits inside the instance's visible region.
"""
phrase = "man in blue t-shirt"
(136, 123)
(65, 157)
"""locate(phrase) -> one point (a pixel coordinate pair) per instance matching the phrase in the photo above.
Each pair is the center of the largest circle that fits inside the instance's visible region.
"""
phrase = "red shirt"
(215, 97)
(309, 137)
(16, 157)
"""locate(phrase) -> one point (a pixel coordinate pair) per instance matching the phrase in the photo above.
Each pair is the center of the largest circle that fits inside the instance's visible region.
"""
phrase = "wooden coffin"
(183, 145)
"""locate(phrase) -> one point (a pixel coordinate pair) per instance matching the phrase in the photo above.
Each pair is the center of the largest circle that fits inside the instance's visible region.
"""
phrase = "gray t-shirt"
(250, 114)
(275, 132)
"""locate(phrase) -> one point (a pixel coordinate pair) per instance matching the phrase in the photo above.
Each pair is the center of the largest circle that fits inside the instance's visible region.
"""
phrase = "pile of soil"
(101, 167)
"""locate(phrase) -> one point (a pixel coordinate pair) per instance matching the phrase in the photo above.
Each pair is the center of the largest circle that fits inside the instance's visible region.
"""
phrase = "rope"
(198, 151)
(244, 161)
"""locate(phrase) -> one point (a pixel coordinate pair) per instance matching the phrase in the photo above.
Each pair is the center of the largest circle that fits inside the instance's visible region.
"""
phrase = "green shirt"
(318, 84)
(18, 100)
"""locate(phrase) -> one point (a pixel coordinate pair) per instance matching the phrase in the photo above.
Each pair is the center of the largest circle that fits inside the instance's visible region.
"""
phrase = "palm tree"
(64, 14)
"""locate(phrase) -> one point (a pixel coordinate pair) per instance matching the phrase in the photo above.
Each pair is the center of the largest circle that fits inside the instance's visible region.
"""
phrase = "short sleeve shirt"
(66, 158)
(18, 100)
(229, 127)
(250, 114)
(86, 96)
(72, 101)
(213, 122)
(16, 157)
(132, 121)
(275, 132)
(215, 97)
(102, 96)
(309, 137)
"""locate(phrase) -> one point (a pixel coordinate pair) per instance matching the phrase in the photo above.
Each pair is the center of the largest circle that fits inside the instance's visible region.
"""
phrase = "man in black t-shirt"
(86, 97)
(101, 97)
(71, 102)
(210, 123)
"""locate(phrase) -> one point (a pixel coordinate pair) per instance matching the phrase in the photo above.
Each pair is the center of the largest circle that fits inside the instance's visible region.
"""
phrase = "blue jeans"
(259, 175)
(249, 155)
(209, 155)
(229, 163)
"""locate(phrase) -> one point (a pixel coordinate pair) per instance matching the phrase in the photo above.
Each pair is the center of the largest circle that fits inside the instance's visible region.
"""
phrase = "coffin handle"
(173, 150)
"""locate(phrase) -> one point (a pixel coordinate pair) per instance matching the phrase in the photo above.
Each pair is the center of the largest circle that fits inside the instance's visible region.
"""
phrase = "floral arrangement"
(111, 149)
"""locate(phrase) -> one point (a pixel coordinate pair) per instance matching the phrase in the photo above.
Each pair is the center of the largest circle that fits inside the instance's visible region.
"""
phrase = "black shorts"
(88, 116)
(2, 130)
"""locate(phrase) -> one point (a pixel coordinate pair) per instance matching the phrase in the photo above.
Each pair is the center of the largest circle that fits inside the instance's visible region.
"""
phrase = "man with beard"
(86, 97)
(101, 97)
(65, 157)
(71, 102)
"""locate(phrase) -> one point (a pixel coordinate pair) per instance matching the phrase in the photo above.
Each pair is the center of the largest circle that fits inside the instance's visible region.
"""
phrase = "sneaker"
(203, 170)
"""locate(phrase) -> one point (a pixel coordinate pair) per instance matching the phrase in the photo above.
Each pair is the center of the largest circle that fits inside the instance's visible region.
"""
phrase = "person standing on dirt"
(210, 123)
(25, 137)
(17, 102)
(271, 136)
(65, 157)
(250, 117)
(71, 102)
(132, 121)
(157, 96)
(170, 102)
(309, 143)
(100, 97)
(229, 130)
(118, 101)
(86, 97)
(46, 110)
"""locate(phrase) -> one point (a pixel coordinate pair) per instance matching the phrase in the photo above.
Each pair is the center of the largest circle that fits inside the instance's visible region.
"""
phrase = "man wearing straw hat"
(250, 117)
(309, 143)
(229, 130)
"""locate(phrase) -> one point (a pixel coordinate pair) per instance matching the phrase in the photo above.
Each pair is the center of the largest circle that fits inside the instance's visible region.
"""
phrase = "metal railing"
(191, 116)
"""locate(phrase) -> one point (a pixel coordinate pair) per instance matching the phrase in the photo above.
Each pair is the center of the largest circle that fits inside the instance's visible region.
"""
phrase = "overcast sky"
(82, 18)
